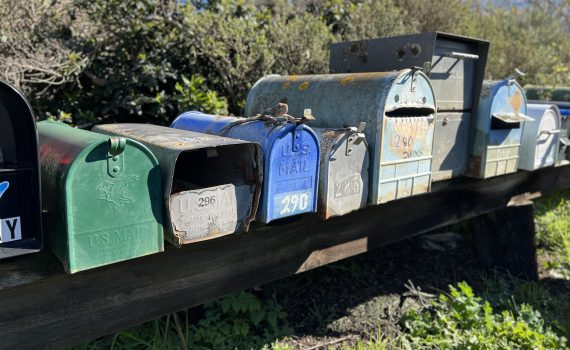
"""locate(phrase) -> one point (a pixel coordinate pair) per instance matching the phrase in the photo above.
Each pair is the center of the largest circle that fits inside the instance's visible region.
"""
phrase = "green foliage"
(553, 231)
(239, 321)
(462, 320)
(191, 95)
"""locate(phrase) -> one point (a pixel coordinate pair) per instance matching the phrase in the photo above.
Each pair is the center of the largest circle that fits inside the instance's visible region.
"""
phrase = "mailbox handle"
(551, 132)
(462, 56)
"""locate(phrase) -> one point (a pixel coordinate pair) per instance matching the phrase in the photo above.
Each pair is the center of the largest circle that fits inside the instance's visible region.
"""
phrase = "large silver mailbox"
(398, 108)
(211, 184)
(343, 179)
(455, 66)
(540, 140)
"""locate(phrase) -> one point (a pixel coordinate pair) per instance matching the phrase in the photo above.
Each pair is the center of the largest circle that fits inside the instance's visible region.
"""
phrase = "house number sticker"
(10, 230)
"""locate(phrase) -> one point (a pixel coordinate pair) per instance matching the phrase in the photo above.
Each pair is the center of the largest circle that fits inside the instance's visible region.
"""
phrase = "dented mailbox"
(102, 197)
(343, 180)
(541, 138)
(20, 205)
(455, 65)
(290, 159)
(211, 184)
(398, 108)
(500, 117)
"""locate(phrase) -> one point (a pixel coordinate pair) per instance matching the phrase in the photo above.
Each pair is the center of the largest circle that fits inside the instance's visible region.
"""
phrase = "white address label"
(10, 229)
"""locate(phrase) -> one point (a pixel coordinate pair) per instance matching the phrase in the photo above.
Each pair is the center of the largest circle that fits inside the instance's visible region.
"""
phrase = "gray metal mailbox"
(343, 178)
(564, 136)
(398, 108)
(540, 140)
(212, 184)
(455, 66)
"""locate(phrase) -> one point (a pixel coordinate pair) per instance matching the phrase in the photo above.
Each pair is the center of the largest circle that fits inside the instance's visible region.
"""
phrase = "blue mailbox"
(290, 155)
(500, 117)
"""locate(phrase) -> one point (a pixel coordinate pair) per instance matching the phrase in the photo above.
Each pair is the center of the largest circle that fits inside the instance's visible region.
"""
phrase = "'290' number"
(206, 201)
(294, 202)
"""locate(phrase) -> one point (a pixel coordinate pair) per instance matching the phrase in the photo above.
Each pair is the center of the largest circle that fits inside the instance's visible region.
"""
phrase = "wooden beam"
(43, 307)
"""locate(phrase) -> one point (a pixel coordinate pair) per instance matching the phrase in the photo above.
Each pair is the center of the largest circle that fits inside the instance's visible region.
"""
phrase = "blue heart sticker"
(4, 187)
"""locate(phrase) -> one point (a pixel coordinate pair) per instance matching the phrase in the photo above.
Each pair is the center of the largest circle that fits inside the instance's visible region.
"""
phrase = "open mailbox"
(20, 204)
(290, 159)
(500, 117)
(398, 108)
(211, 184)
(102, 197)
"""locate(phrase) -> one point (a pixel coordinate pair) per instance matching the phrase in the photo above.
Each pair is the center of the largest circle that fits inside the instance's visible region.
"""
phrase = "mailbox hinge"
(297, 137)
(415, 71)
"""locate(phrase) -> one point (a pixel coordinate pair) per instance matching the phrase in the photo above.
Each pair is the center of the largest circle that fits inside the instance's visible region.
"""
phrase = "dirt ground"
(336, 305)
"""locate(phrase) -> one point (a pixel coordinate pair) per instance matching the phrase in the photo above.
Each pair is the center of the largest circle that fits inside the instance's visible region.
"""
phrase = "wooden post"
(505, 239)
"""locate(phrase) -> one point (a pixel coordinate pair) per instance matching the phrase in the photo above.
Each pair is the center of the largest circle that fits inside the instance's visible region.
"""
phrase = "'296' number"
(206, 201)
(294, 202)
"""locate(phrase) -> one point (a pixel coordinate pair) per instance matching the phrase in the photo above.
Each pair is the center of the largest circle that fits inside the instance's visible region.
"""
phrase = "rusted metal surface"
(212, 184)
(343, 179)
(398, 108)
(500, 118)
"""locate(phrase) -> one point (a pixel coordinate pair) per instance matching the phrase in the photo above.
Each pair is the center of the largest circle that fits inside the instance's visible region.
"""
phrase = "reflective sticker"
(10, 229)
(4, 187)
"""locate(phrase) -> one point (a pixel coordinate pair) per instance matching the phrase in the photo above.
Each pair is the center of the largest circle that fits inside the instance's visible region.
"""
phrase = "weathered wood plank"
(42, 306)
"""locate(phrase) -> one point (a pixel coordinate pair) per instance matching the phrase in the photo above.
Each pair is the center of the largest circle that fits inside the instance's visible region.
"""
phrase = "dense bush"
(144, 60)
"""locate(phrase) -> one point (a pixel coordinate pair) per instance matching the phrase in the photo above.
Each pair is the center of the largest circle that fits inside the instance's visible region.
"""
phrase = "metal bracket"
(415, 71)
(297, 137)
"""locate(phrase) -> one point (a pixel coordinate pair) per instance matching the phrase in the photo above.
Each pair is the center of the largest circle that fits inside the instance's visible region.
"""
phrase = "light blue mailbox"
(290, 155)
(500, 117)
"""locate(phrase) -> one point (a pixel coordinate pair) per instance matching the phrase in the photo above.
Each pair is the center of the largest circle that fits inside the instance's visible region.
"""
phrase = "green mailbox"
(102, 197)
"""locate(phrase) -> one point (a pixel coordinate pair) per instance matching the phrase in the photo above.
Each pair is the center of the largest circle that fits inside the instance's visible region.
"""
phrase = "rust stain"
(304, 86)
(346, 80)
(407, 132)
(293, 78)
(285, 85)
(516, 101)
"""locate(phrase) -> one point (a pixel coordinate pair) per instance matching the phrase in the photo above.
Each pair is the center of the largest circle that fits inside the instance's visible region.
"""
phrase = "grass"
(499, 312)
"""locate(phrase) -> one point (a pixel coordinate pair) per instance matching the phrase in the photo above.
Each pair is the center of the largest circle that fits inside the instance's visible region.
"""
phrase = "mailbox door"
(291, 174)
(343, 181)
(450, 145)
(114, 206)
(547, 140)
(508, 112)
(20, 208)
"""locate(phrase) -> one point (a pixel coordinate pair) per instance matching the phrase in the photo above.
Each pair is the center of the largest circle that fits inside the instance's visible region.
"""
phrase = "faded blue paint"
(291, 160)
(395, 105)
(496, 151)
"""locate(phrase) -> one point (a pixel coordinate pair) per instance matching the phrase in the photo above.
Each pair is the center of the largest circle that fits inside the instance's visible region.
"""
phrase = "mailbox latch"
(115, 156)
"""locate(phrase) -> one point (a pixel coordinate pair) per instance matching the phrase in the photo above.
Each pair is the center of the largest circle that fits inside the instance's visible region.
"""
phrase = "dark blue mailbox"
(290, 155)
(20, 205)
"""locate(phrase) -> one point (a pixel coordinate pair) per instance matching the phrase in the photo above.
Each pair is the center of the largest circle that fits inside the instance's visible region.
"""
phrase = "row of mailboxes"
(398, 108)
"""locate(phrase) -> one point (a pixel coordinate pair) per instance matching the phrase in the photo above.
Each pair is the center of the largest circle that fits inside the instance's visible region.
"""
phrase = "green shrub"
(239, 321)
(462, 320)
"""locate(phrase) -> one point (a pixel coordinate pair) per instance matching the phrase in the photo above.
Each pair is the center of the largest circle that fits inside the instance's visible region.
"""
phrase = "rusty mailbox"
(398, 108)
(290, 158)
(455, 66)
(20, 205)
(500, 117)
(343, 179)
(101, 197)
(540, 139)
(211, 184)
